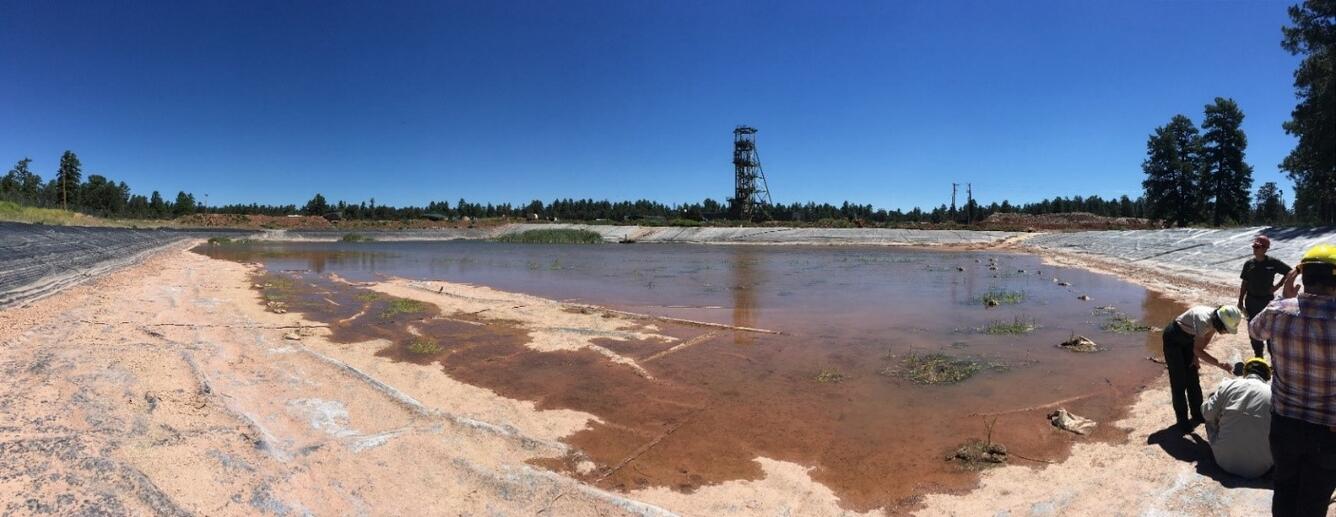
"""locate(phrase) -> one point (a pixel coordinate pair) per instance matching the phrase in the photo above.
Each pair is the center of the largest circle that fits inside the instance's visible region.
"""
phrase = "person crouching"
(1238, 421)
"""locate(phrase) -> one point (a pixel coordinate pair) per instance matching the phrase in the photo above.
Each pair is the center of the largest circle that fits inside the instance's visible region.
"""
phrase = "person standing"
(1259, 284)
(1302, 332)
(1185, 341)
(1238, 421)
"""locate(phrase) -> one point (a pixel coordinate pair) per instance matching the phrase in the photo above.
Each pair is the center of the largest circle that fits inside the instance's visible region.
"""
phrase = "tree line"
(98, 195)
(101, 196)
(95, 195)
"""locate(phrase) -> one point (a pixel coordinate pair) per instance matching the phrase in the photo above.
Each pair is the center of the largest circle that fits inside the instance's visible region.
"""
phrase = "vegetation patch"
(1122, 324)
(995, 297)
(937, 368)
(1016, 326)
(355, 237)
(424, 346)
(829, 376)
(368, 296)
(555, 236)
(11, 211)
(399, 306)
(220, 240)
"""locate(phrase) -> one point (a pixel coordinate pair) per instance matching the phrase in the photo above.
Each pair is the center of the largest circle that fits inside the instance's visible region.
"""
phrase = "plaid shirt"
(1302, 331)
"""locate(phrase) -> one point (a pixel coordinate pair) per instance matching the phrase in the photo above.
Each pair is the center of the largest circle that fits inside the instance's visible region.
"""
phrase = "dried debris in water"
(829, 376)
(979, 455)
(1066, 421)
(1080, 344)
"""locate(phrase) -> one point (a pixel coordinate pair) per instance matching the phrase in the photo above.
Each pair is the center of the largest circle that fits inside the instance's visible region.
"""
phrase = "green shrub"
(1122, 324)
(937, 368)
(995, 297)
(399, 306)
(1017, 325)
(424, 346)
(554, 236)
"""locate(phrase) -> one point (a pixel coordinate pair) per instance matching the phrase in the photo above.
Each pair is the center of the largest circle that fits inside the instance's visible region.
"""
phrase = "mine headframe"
(751, 193)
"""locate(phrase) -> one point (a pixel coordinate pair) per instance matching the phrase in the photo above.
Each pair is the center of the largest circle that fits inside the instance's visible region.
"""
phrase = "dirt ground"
(166, 388)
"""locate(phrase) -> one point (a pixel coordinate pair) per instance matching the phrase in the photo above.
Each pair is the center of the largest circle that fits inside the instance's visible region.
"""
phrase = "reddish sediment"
(705, 412)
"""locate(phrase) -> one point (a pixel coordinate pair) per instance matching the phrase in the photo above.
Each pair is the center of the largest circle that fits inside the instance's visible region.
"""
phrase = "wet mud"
(823, 394)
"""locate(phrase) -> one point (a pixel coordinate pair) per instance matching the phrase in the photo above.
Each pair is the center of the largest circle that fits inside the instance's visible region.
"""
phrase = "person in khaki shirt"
(1238, 421)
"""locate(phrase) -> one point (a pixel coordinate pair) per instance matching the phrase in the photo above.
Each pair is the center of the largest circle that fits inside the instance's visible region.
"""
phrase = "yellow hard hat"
(1320, 253)
(1230, 316)
(1257, 360)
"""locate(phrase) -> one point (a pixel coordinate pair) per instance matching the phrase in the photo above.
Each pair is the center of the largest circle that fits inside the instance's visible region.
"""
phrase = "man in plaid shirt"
(1302, 334)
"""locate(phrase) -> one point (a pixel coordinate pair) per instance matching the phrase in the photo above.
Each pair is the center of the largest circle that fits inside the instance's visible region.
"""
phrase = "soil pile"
(1067, 221)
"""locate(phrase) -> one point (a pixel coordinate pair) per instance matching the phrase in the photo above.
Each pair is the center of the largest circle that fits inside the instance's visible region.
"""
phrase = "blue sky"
(874, 102)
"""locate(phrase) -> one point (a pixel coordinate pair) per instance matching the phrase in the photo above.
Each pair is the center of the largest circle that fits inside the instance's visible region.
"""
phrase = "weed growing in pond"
(829, 376)
(1122, 324)
(399, 306)
(424, 346)
(557, 236)
(368, 297)
(995, 297)
(1017, 325)
(936, 368)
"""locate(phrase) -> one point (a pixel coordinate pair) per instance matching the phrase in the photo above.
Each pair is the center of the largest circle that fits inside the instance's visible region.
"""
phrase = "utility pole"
(953, 200)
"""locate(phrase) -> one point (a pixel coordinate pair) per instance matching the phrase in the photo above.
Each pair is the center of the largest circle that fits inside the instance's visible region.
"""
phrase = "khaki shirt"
(1238, 425)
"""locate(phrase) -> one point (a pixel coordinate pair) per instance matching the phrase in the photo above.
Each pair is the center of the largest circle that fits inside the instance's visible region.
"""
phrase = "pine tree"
(157, 209)
(1172, 172)
(68, 176)
(1270, 204)
(1226, 178)
(1312, 162)
(316, 206)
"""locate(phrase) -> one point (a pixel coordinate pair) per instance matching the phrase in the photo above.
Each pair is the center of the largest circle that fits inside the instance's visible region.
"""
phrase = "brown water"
(874, 437)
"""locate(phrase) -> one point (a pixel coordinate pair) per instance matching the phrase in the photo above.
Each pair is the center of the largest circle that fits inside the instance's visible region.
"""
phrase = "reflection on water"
(746, 280)
(874, 437)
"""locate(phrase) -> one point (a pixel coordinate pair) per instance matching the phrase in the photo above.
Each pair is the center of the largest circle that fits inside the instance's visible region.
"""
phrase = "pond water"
(830, 393)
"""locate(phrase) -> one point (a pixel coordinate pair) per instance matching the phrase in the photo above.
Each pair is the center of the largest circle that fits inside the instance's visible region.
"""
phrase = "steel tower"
(751, 193)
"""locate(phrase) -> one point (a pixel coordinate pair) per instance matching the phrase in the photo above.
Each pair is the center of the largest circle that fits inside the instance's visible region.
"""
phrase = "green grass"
(1016, 326)
(355, 237)
(220, 240)
(368, 297)
(557, 236)
(11, 211)
(424, 346)
(829, 376)
(938, 368)
(995, 297)
(1122, 324)
(399, 306)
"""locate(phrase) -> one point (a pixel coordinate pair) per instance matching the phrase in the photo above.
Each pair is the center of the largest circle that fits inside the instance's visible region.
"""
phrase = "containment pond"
(880, 364)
